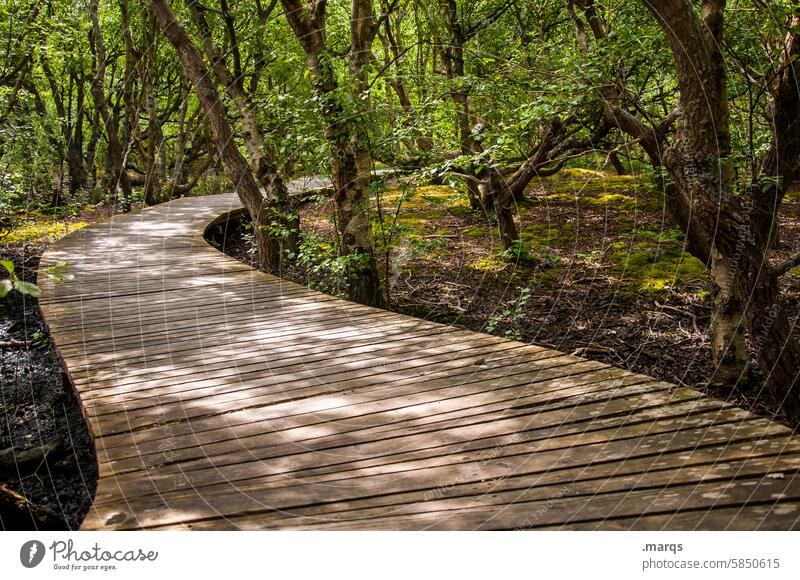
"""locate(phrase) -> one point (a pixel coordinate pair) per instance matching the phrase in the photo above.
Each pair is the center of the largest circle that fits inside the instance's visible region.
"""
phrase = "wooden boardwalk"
(222, 398)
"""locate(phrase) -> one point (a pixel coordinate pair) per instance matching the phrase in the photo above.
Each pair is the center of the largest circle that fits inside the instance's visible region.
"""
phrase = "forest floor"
(37, 403)
(603, 273)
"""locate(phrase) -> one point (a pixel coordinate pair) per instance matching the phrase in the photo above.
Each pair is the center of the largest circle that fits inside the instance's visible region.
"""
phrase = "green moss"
(651, 267)
(474, 232)
(41, 230)
(793, 195)
(614, 199)
(549, 233)
(443, 196)
(589, 187)
(429, 197)
(490, 264)
(669, 235)
(412, 220)
(577, 180)
(429, 214)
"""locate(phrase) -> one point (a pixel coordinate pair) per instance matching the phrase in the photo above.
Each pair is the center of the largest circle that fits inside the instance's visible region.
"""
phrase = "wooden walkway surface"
(221, 398)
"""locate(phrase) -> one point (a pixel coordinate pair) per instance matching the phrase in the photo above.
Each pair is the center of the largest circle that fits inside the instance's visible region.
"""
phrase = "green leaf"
(58, 273)
(28, 288)
(8, 265)
(6, 286)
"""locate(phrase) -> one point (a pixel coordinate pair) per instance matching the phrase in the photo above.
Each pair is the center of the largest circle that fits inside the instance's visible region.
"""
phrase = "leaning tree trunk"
(498, 196)
(235, 164)
(287, 221)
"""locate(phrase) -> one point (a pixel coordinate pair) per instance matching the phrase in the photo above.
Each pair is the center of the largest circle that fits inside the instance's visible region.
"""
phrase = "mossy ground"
(40, 230)
(579, 218)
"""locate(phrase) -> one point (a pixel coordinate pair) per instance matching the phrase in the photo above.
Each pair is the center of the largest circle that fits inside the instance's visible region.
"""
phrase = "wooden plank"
(281, 356)
(175, 308)
(196, 503)
(190, 334)
(258, 373)
(772, 515)
(305, 386)
(276, 318)
(720, 463)
(177, 357)
(446, 446)
(367, 418)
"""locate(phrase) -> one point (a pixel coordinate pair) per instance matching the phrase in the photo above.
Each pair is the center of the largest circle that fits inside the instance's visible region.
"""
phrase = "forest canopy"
(130, 103)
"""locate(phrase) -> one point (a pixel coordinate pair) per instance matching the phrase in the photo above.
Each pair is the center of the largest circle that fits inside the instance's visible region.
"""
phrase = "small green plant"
(276, 227)
(14, 283)
(511, 314)
(321, 258)
(41, 339)
(517, 252)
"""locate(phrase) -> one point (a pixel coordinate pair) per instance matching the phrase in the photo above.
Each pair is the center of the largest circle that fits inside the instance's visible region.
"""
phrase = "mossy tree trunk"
(728, 346)
(346, 121)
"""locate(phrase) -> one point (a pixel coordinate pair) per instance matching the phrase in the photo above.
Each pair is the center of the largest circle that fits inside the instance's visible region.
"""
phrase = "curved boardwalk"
(221, 397)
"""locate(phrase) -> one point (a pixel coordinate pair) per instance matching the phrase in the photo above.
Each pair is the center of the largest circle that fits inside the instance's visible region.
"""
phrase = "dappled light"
(400, 265)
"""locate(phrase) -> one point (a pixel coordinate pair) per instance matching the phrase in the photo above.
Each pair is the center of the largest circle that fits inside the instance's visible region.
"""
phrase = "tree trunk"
(393, 53)
(130, 121)
(616, 163)
(120, 176)
(60, 145)
(235, 164)
(728, 344)
(496, 195)
(77, 171)
(501, 200)
(91, 149)
(697, 159)
(728, 347)
(351, 160)
(152, 184)
(262, 160)
(453, 54)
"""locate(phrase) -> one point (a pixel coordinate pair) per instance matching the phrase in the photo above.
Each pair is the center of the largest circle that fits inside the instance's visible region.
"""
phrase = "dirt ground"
(37, 404)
